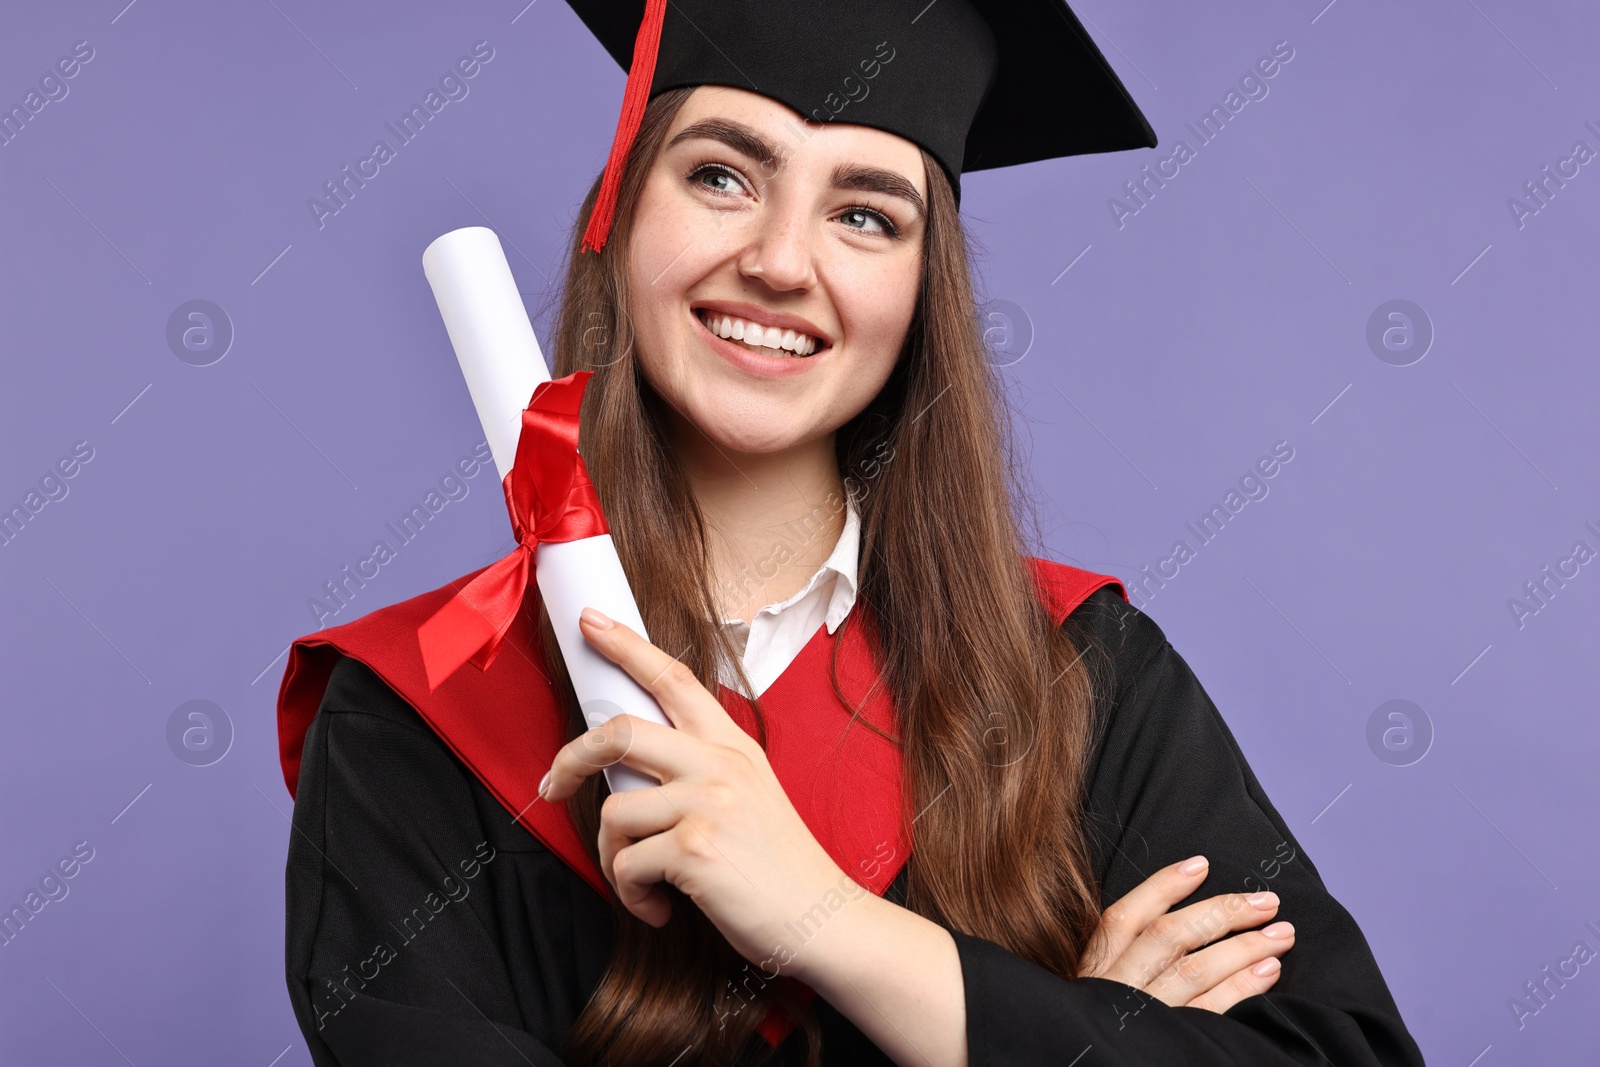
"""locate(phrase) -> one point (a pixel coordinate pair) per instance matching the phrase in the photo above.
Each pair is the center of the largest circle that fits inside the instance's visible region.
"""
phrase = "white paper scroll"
(500, 358)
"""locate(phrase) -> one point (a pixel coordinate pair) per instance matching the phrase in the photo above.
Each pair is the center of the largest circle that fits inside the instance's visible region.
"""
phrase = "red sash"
(505, 725)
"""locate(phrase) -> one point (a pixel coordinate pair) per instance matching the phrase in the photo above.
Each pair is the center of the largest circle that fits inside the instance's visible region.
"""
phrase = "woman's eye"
(867, 221)
(717, 179)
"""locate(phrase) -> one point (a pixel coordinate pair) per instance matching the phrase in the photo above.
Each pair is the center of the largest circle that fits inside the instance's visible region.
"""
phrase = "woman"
(801, 452)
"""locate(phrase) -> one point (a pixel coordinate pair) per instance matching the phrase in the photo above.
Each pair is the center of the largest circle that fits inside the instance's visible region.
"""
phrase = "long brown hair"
(993, 700)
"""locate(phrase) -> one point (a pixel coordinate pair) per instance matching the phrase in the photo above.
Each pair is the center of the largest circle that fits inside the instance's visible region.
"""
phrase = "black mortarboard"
(978, 83)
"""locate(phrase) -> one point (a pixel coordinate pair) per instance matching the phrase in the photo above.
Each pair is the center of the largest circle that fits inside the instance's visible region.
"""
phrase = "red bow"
(551, 498)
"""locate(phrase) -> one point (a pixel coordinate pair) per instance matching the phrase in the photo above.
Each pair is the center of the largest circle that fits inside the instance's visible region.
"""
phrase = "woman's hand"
(1142, 944)
(719, 826)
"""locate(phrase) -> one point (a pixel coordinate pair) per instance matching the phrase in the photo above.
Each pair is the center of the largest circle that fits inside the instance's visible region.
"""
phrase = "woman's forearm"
(896, 975)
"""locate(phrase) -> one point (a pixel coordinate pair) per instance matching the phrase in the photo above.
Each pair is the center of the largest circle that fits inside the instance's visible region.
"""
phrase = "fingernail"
(1279, 929)
(1195, 865)
(1262, 900)
(544, 784)
(595, 619)
(1265, 967)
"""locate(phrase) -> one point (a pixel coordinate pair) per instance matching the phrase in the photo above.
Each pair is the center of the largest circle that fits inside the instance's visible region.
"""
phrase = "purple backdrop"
(1347, 263)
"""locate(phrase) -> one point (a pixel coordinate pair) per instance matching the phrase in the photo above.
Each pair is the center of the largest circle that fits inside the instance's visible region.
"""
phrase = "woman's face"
(751, 215)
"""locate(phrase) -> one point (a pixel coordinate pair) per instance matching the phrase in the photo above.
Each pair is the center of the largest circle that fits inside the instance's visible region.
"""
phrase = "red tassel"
(640, 74)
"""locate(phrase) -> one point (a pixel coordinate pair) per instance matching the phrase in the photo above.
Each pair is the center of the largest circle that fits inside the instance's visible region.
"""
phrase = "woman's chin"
(753, 440)
(751, 431)
(739, 419)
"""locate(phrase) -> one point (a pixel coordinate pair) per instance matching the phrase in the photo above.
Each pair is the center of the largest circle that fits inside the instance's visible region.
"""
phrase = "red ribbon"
(550, 498)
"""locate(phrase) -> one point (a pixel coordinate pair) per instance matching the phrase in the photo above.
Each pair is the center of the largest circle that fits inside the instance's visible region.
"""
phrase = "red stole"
(505, 725)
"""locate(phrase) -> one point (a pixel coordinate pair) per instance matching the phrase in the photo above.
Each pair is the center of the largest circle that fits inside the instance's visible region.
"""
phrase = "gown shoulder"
(423, 924)
(1167, 780)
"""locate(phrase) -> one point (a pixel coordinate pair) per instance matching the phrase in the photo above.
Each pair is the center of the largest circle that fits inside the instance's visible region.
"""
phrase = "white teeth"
(755, 335)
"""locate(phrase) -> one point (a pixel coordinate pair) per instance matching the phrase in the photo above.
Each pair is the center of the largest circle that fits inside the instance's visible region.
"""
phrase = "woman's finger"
(638, 871)
(1246, 982)
(1126, 919)
(1212, 968)
(660, 751)
(633, 816)
(688, 705)
(1169, 937)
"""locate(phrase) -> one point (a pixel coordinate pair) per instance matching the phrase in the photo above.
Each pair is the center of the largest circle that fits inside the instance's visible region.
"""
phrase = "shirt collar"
(842, 564)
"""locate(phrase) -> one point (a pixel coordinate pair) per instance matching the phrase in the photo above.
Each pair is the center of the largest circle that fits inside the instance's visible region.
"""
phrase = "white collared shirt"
(777, 633)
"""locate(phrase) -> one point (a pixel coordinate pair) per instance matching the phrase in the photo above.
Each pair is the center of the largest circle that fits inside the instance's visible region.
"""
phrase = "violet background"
(1228, 314)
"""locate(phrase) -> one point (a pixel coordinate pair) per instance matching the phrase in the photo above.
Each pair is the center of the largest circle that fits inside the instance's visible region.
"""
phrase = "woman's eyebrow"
(736, 135)
(746, 141)
(876, 180)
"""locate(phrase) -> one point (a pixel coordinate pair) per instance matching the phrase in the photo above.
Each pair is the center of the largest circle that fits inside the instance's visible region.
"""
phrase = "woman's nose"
(780, 254)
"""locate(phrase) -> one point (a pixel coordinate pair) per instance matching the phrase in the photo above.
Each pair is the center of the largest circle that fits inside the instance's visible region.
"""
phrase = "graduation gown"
(435, 914)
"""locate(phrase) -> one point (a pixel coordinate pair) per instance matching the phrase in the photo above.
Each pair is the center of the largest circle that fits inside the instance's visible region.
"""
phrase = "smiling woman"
(979, 811)
(827, 248)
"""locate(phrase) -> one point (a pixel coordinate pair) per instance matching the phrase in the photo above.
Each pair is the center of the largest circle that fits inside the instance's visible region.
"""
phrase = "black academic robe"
(456, 937)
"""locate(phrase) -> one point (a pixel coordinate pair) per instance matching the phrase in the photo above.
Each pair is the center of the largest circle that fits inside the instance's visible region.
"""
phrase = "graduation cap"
(978, 83)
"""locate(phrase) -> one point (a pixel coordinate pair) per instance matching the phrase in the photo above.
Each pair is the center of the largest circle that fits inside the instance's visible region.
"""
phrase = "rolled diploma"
(500, 358)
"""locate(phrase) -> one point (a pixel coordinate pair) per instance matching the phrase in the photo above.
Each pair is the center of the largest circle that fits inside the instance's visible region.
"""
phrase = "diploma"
(503, 366)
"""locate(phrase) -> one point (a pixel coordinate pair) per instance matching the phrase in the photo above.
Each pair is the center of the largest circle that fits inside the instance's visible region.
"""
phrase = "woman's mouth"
(765, 340)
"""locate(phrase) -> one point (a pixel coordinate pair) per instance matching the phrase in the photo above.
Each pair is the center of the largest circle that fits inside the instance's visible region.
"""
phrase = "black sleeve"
(424, 926)
(1168, 781)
